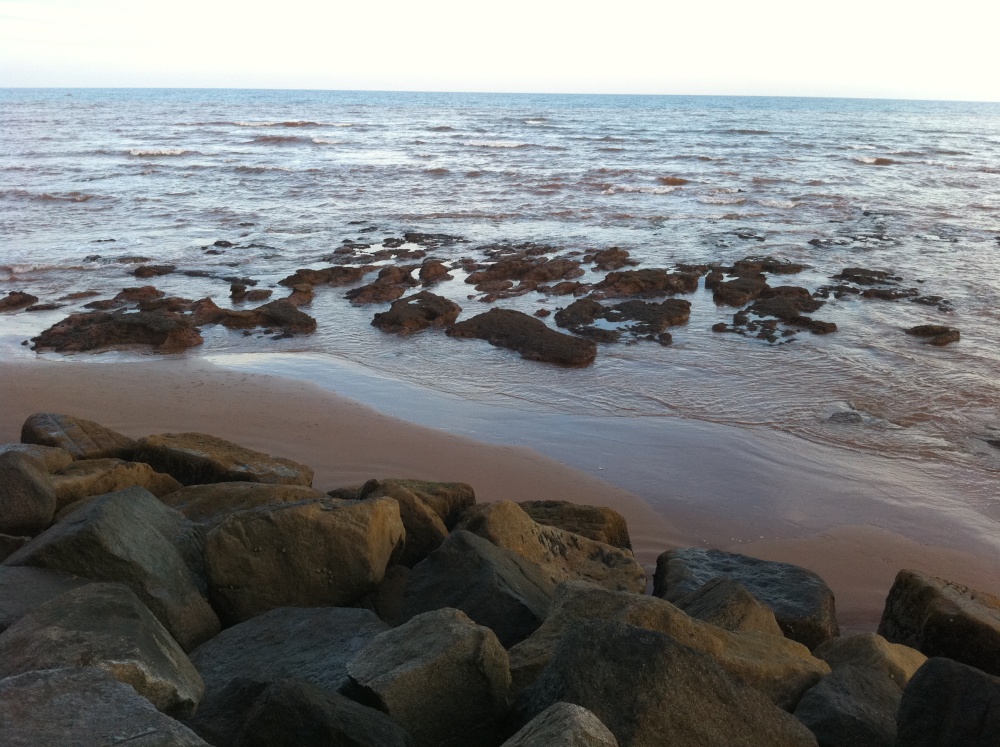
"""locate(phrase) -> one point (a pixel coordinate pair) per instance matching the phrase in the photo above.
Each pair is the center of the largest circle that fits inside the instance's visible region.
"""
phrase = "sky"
(853, 48)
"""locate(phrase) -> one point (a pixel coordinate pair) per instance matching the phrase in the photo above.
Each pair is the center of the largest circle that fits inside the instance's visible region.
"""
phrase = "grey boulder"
(83, 439)
(853, 706)
(23, 588)
(727, 604)
(563, 725)
(598, 523)
(27, 498)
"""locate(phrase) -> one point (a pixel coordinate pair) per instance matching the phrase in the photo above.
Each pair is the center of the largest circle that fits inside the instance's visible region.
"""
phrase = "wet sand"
(347, 443)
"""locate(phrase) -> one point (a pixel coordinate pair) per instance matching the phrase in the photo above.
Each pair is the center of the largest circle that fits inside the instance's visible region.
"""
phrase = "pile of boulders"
(180, 589)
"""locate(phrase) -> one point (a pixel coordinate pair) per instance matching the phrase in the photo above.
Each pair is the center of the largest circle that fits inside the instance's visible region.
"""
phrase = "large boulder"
(872, 651)
(308, 554)
(27, 498)
(727, 604)
(594, 522)
(649, 689)
(563, 725)
(417, 312)
(90, 477)
(779, 668)
(852, 706)
(164, 330)
(11, 543)
(801, 601)
(948, 704)
(83, 707)
(939, 618)
(440, 676)
(211, 503)
(49, 458)
(562, 555)
(22, 589)
(129, 537)
(528, 336)
(495, 587)
(83, 439)
(104, 626)
(195, 458)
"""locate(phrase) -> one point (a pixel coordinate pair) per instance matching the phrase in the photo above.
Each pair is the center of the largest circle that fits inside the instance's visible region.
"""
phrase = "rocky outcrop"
(209, 504)
(740, 290)
(649, 689)
(495, 587)
(612, 258)
(313, 553)
(528, 336)
(872, 651)
(440, 676)
(649, 320)
(646, 283)
(416, 313)
(939, 618)
(85, 707)
(727, 604)
(282, 314)
(335, 276)
(391, 283)
(562, 556)
(801, 601)
(195, 458)
(104, 626)
(129, 537)
(91, 477)
(27, 498)
(853, 706)
(563, 725)
(15, 300)
(83, 439)
(163, 330)
(22, 589)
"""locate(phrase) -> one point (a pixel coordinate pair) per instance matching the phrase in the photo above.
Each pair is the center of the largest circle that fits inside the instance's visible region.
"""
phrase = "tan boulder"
(99, 476)
(83, 439)
(595, 522)
(210, 504)
(872, 651)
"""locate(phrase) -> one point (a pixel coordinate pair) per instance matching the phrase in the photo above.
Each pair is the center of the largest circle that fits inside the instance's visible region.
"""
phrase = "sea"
(96, 181)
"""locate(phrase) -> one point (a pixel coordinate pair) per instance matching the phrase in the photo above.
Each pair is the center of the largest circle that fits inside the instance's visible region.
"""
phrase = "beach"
(347, 442)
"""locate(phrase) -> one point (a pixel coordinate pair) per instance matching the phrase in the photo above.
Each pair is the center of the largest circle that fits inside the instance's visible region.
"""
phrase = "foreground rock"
(853, 706)
(528, 336)
(417, 312)
(563, 725)
(801, 601)
(85, 707)
(129, 537)
(91, 477)
(595, 522)
(779, 668)
(947, 704)
(440, 676)
(314, 553)
(195, 458)
(873, 652)
(728, 605)
(563, 556)
(49, 458)
(211, 503)
(27, 498)
(105, 626)
(83, 439)
(495, 587)
(939, 618)
(164, 330)
(22, 589)
(648, 689)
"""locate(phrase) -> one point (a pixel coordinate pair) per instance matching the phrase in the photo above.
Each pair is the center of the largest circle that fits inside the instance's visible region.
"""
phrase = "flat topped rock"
(196, 458)
(83, 439)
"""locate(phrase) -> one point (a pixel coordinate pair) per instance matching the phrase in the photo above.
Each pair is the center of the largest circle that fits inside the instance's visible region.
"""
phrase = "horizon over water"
(92, 178)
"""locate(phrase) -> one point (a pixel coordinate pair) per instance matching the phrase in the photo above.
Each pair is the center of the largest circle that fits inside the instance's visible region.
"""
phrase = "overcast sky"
(881, 48)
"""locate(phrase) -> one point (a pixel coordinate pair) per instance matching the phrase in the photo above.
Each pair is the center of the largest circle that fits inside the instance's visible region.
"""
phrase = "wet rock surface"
(82, 439)
(15, 300)
(417, 312)
(528, 336)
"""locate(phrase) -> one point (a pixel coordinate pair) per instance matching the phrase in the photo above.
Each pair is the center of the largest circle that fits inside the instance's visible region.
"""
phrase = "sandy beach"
(347, 443)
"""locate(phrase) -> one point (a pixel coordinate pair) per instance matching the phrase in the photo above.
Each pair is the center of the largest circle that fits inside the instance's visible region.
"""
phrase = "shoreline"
(857, 545)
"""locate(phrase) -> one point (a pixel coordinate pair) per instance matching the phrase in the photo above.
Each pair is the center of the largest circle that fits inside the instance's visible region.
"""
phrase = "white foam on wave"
(141, 152)
(327, 141)
(495, 144)
(615, 189)
(722, 200)
(782, 204)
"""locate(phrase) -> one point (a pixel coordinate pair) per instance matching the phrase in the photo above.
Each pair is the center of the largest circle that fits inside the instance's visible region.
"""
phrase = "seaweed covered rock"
(164, 330)
(650, 282)
(935, 334)
(528, 336)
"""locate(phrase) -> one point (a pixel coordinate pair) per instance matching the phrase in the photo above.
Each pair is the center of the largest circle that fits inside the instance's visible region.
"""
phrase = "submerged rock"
(935, 334)
(163, 330)
(16, 300)
(648, 283)
(528, 336)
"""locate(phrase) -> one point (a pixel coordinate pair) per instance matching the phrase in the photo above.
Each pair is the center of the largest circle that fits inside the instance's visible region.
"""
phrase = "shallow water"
(89, 178)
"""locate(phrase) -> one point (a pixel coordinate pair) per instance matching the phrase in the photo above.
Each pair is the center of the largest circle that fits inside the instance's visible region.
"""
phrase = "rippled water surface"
(89, 178)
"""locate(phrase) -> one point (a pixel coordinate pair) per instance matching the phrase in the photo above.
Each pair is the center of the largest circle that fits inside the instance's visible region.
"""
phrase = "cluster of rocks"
(184, 590)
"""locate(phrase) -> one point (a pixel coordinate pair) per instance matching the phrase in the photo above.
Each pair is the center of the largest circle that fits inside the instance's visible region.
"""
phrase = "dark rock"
(16, 300)
(889, 294)
(528, 336)
(864, 276)
(801, 601)
(948, 704)
(596, 522)
(105, 626)
(853, 706)
(432, 240)
(44, 307)
(313, 553)
(390, 284)
(848, 417)
(27, 497)
(872, 651)
(529, 271)
(386, 600)
(495, 587)
(9, 544)
(48, 458)
(163, 330)
(83, 439)
(152, 271)
(122, 537)
(83, 707)
(223, 244)
(937, 334)
(23, 589)
(648, 689)
(727, 604)
(939, 618)
(440, 676)
(739, 291)
(613, 258)
(210, 504)
(335, 276)
(433, 271)
(281, 314)
(417, 312)
(195, 458)
(449, 500)
(645, 283)
(774, 265)
(563, 725)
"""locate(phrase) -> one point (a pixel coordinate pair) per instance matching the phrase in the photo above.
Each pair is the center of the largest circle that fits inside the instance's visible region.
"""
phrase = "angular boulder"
(22, 589)
(939, 618)
(85, 707)
(211, 503)
(129, 537)
(494, 587)
(440, 676)
(872, 651)
(563, 556)
(196, 458)
(83, 439)
(10, 543)
(727, 604)
(104, 626)
(49, 458)
(27, 498)
(308, 554)
(89, 477)
(563, 725)
(649, 689)
(515, 330)
(801, 601)
(852, 706)
(594, 522)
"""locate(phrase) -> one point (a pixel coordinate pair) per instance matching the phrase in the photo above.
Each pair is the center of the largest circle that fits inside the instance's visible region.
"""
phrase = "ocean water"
(92, 179)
